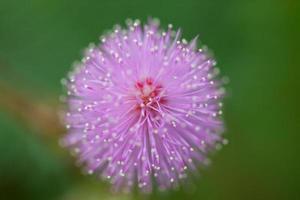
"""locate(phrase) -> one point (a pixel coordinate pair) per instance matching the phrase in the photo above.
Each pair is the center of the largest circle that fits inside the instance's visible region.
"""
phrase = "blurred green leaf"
(28, 170)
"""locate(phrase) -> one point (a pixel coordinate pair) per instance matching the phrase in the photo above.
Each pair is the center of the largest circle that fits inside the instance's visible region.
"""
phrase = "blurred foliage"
(256, 44)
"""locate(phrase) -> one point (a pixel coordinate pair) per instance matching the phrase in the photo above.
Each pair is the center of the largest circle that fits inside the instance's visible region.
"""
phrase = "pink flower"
(143, 106)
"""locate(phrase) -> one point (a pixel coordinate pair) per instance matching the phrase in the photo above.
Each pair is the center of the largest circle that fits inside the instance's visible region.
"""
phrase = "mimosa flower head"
(143, 106)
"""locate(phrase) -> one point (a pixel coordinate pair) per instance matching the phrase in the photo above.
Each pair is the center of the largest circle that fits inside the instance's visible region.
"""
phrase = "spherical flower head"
(143, 107)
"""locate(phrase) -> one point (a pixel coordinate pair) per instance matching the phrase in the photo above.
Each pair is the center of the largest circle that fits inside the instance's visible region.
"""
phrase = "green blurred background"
(256, 44)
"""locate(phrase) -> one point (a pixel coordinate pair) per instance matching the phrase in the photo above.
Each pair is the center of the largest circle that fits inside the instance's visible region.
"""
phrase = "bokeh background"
(256, 44)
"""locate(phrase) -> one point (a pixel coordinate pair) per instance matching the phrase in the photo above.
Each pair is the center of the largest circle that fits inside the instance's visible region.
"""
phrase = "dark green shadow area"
(28, 169)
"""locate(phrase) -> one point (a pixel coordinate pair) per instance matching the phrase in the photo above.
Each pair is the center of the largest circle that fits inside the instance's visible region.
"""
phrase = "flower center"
(150, 98)
(148, 92)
